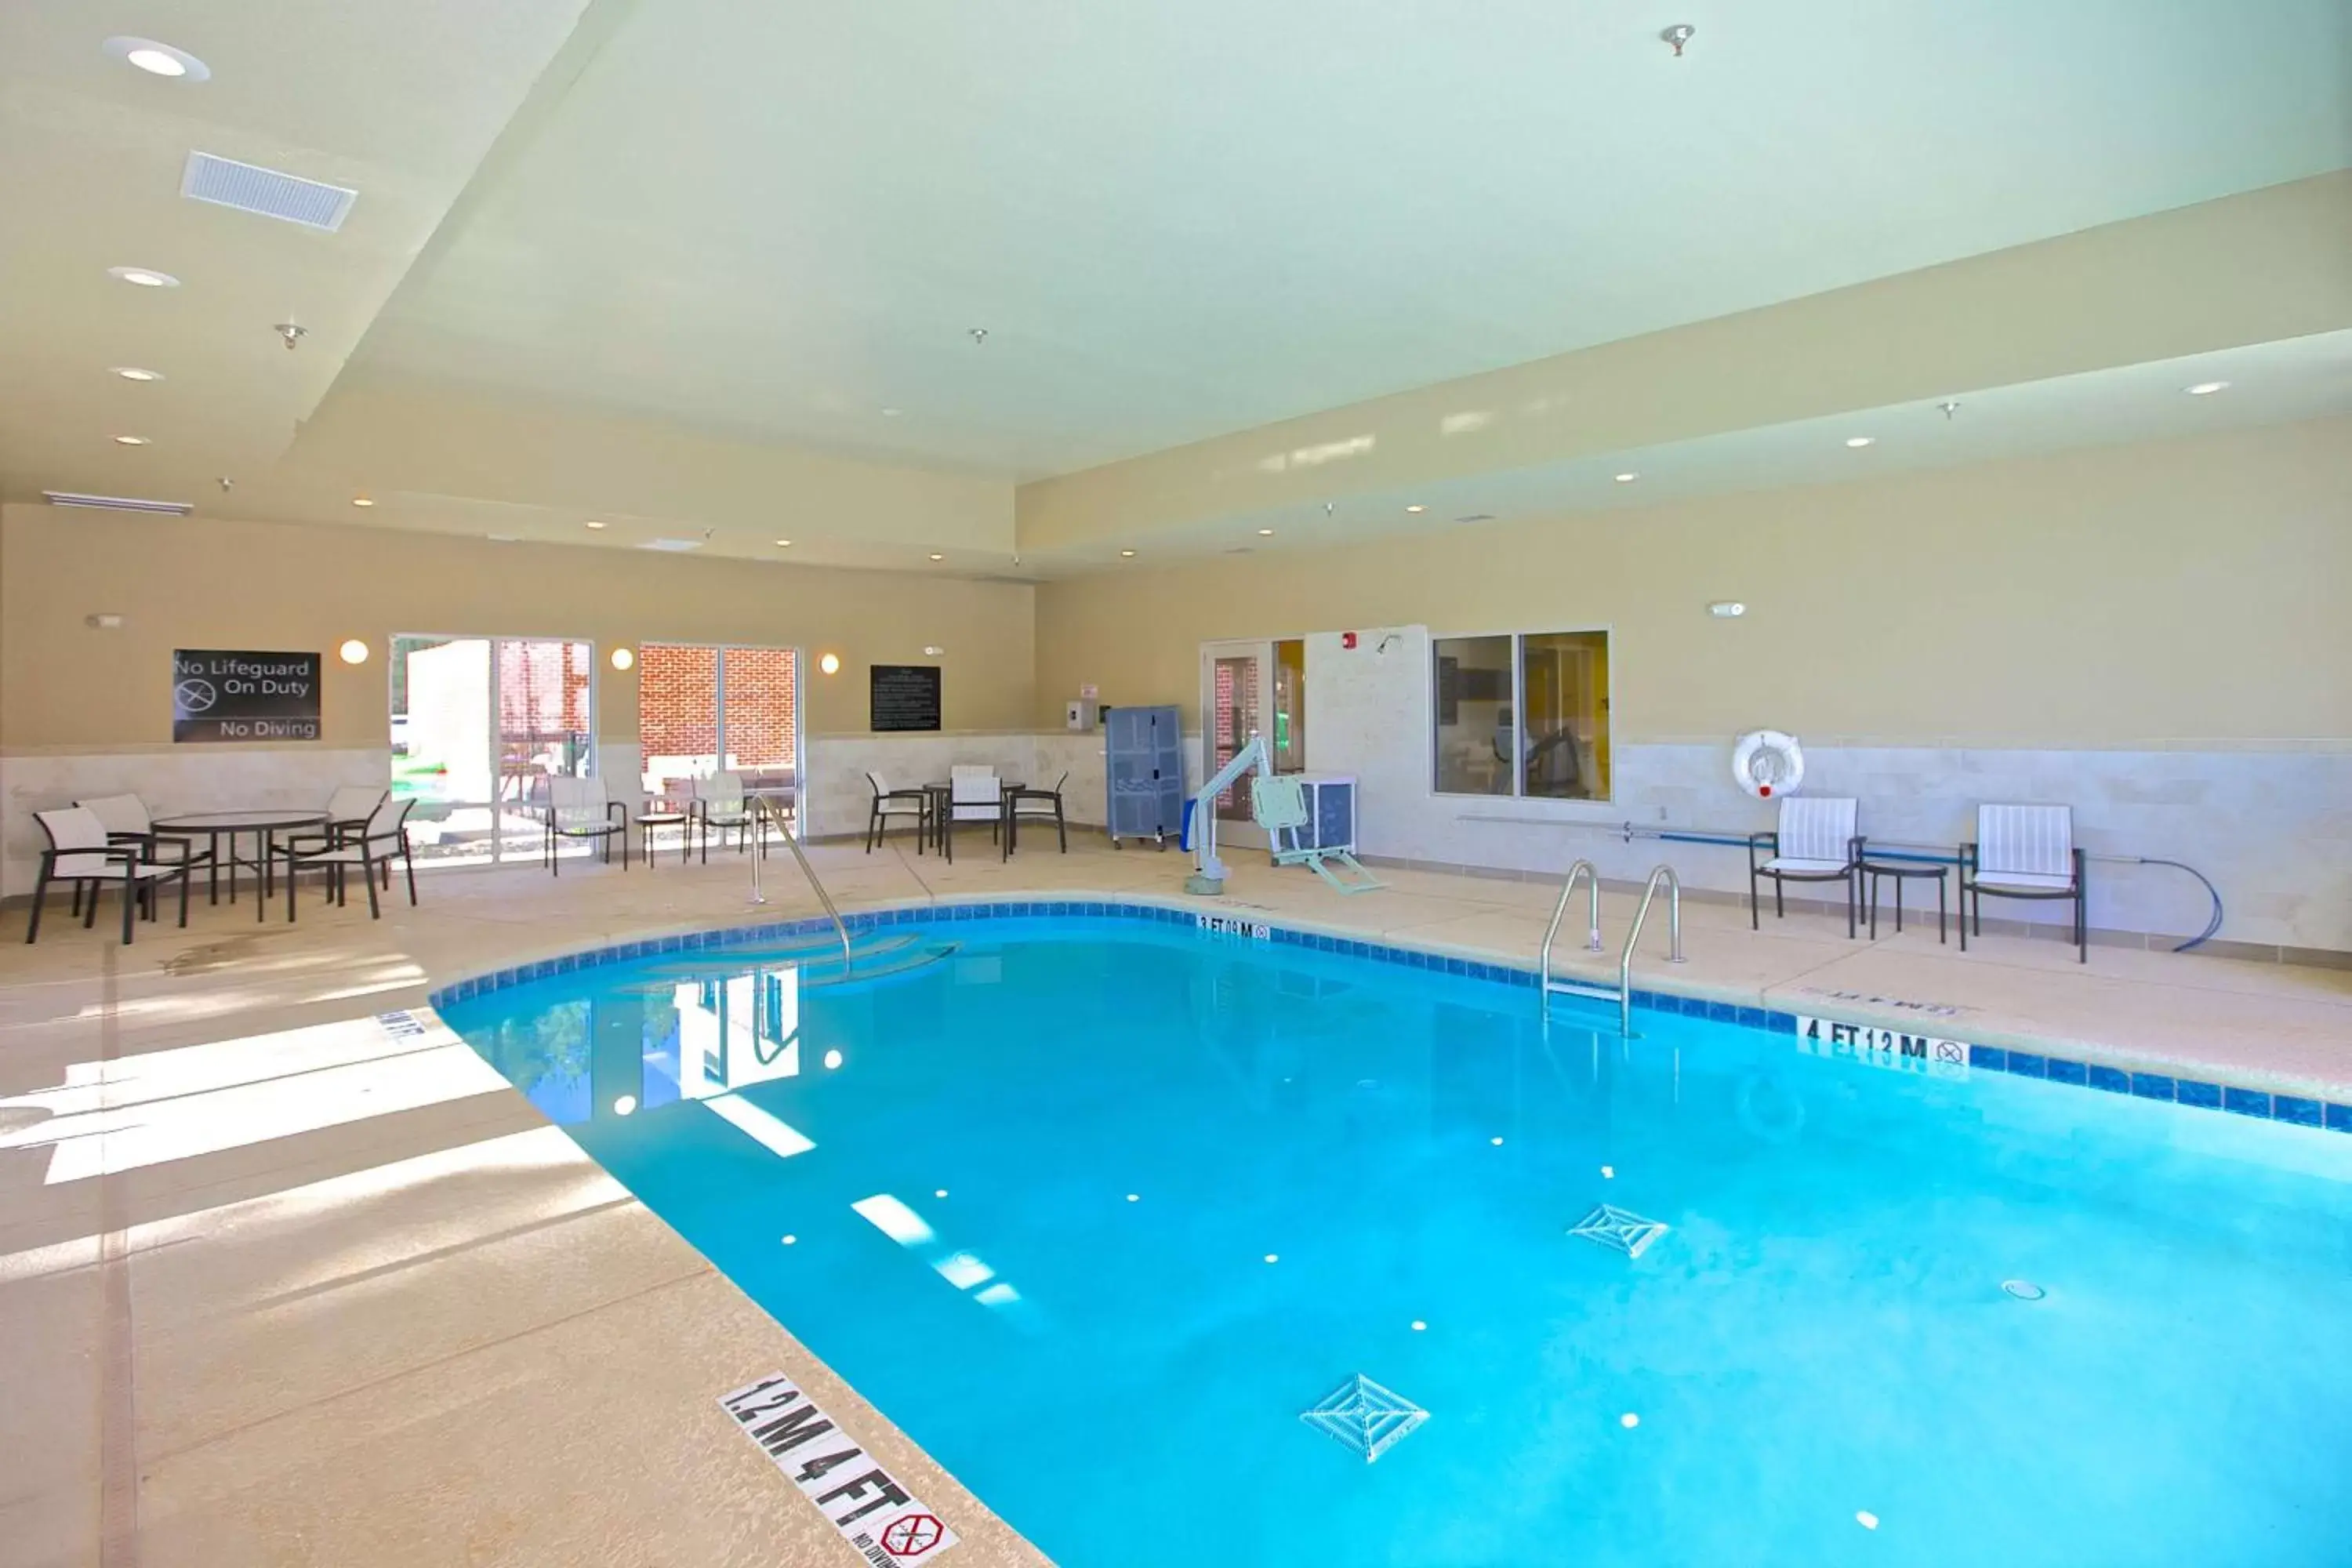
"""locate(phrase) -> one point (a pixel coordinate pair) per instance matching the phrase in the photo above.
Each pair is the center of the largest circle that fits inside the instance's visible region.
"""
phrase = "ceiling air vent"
(226, 182)
(671, 544)
(118, 503)
(1476, 517)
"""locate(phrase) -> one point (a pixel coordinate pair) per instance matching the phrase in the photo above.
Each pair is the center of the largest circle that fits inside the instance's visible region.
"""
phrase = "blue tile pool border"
(2236, 1099)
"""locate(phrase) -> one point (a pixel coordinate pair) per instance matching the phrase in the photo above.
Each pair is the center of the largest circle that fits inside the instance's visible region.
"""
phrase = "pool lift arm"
(1208, 877)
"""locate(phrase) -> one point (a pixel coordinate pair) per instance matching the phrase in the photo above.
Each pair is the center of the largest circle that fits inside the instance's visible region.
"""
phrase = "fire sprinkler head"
(292, 335)
(1678, 35)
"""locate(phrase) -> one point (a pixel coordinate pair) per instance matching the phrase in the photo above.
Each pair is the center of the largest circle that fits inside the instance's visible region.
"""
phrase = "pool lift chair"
(1278, 804)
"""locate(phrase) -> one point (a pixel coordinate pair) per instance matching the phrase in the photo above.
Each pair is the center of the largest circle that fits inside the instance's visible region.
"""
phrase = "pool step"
(817, 962)
(1591, 991)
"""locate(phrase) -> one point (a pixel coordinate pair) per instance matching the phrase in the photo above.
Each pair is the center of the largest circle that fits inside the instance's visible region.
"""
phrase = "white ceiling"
(1175, 221)
(2266, 385)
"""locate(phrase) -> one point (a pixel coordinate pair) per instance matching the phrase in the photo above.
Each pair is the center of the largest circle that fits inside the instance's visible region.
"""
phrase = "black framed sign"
(221, 695)
(905, 696)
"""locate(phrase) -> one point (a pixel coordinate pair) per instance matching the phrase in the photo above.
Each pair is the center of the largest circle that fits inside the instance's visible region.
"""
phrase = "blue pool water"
(1089, 1136)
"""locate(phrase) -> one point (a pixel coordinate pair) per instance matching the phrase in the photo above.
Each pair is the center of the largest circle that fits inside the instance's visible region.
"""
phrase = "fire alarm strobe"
(1348, 639)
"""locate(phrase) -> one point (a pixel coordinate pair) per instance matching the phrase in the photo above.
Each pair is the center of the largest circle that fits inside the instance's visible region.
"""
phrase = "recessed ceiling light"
(503, 538)
(1265, 534)
(2207, 388)
(1122, 552)
(593, 525)
(361, 500)
(784, 543)
(1858, 441)
(937, 556)
(143, 276)
(1627, 478)
(158, 60)
(890, 414)
(131, 440)
(135, 373)
(1416, 508)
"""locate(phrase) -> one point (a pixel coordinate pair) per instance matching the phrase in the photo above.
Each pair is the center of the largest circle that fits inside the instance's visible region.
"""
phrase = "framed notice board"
(905, 696)
(219, 694)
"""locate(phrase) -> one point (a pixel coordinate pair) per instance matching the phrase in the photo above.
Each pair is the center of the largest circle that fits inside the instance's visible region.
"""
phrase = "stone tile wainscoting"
(180, 779)
(2270, 823)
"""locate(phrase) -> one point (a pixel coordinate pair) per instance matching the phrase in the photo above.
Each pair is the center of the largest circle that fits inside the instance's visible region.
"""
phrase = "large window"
(702, 708)
(479, 726)
(1525, 714)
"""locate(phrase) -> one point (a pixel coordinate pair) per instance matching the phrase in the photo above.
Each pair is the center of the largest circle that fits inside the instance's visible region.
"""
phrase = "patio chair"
(370, 847)
(79, 853)
(2024, 852)
(128, 821)
(1816, 842)
(579, 808)
(719, 803)
(1032, 805)
(974, 795)
(889, 803)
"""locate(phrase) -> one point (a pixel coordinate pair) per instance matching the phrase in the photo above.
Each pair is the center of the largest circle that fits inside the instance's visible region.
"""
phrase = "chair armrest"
(1853, 849)
(616, 812)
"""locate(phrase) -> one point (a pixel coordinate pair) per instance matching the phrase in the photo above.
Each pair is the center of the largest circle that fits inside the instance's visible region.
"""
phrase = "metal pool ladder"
(763, 808)
(1623, 993)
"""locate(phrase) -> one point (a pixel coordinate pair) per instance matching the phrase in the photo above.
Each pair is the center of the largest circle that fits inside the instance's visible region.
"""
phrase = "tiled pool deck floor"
(301, 1290)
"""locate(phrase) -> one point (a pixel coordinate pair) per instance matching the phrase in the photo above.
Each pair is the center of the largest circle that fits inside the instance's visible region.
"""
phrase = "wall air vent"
(226, 182)
(118, 503)
(1477, 517)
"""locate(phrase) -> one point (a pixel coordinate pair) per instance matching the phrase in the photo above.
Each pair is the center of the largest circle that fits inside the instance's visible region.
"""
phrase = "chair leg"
(290, 892)
(367, 875)
(130, 892)
(89, 908)
(1853, 896)
(408, 862)
(183, 898)
(1780, 900)
(40, 897)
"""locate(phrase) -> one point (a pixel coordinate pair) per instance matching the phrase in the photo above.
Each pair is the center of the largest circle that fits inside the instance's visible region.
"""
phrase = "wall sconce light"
(624, 659)
(932, 650)
(830, 664)
(353, 651)
(1727, 609)
(104, 621)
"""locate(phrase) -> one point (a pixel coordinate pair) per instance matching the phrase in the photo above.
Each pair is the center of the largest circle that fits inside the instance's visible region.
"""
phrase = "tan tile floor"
(280, 1286)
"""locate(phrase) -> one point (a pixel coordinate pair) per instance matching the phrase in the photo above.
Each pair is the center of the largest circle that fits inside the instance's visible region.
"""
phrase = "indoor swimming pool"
(1110, 1214)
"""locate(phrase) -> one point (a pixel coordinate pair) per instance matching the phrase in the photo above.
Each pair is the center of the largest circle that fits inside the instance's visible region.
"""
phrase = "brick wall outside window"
(678, 691)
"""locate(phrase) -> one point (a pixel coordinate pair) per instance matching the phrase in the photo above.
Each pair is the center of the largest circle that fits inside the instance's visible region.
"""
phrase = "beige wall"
(198, 582)
(2179, 590)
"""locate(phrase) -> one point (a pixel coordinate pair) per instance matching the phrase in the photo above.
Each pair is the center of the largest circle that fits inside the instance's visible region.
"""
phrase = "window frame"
(719, 651)
(1517, 792)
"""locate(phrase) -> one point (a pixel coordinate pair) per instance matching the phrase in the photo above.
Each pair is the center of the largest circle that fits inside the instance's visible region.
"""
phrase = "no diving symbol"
(194, 696)
(912, 1535)
(1945, 1051)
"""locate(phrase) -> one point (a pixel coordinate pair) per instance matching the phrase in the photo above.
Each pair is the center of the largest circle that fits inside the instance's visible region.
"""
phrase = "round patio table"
(265, 825)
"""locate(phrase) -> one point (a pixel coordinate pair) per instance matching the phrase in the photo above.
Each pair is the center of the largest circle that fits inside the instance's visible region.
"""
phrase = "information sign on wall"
(219, 695)
(905, 696)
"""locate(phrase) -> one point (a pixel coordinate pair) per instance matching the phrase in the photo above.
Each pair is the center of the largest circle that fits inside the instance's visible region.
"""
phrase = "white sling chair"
(2023, 852)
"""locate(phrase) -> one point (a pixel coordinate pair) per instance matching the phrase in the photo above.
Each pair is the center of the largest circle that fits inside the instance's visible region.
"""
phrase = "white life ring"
(1766, 762)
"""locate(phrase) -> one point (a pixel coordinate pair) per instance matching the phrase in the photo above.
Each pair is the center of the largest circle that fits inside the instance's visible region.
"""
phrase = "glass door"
(479, 726)
(702, 708)
(1236, 695)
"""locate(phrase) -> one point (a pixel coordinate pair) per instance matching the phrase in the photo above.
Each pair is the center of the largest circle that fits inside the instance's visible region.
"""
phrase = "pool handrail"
(1633, 939)
(764, 807)
(1586, 869)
